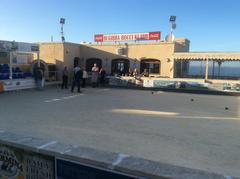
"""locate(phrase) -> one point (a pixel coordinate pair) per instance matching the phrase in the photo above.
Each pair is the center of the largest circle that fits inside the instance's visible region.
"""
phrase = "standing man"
(95, 71)
(65, 78)
(102, 74)
(85, 77)
(39, 78)
(77, 76)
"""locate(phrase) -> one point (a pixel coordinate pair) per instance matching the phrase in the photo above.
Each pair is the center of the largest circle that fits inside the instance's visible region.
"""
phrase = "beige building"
(160, 59)
(155, 58)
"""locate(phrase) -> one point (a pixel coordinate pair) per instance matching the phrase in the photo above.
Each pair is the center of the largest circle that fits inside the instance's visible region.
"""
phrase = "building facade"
(155, 58)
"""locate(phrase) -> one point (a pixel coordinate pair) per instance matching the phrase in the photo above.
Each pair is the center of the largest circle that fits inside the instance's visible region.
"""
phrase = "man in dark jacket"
(65, 78)
(77, 76)
(38, 75)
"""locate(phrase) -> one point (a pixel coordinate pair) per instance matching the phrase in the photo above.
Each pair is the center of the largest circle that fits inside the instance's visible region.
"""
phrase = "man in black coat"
(77, 76)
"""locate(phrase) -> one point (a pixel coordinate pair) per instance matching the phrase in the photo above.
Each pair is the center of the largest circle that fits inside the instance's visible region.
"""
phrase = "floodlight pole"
(62, 32)
(206, 70)
(172, 21)
(11, 56)
(62, 22)
(10, 64)
(171, 30)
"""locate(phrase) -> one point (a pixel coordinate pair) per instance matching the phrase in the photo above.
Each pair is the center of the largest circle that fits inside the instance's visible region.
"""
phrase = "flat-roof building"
(157, 58)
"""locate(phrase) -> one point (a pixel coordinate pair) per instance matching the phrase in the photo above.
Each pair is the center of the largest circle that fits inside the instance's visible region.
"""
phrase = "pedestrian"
(102, 74)
(77, 76)
(135, 73)
(65, 78)
(130, 72)
(95, 71)
(145, 73)
(39, 78)
(85, 77)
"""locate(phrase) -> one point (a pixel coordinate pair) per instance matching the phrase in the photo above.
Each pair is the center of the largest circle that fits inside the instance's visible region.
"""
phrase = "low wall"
(29, 157)
(178, 85)
(18, 84)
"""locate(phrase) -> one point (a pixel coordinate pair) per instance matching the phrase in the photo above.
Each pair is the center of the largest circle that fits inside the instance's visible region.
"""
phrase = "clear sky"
(210, 25)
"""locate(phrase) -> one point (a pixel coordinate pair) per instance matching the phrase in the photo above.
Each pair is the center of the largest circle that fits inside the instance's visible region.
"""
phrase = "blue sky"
(210, 25)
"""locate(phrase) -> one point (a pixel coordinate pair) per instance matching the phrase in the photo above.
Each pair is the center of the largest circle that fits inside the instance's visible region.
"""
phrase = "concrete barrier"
(171, 85)
(29, 157)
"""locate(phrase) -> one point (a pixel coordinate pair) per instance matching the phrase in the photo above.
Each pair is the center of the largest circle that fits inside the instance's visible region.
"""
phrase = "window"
(120, 66)
(150, 66)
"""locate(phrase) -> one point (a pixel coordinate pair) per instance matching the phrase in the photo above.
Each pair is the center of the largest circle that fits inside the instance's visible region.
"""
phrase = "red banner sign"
(127, 37)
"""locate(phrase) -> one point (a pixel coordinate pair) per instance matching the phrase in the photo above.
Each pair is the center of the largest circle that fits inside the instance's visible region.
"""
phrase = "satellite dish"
(170, 37)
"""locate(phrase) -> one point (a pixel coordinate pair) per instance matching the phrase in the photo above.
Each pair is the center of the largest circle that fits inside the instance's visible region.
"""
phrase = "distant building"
(18, 46)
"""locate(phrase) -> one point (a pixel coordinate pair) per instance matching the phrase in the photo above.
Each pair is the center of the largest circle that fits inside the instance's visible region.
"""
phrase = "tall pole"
(213, 69)
(10, 65)
(62, 31)
(201, 73)
(62, 22)
(206, 70)
(219, 67)
(172, 21)
(11, 56)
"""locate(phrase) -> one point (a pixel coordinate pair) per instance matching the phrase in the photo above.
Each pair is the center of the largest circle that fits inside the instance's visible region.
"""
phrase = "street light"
(11, 47)
(170, 36)
(172, 19)
(62, 22)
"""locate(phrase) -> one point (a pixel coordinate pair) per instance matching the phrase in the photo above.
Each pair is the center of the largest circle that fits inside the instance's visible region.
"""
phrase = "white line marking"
(46, 145)
(228, 177)
(102, 90)
(158, 92)
(69, 150)
(120, 159)
(24, 139)
(52, 100)
(63, 98)
(207, 117)
(170, 114)
(68, 97)
(146, 112)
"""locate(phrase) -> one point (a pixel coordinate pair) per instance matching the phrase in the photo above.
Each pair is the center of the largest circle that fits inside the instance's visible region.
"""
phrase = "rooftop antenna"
(170, 37)
(62, 22)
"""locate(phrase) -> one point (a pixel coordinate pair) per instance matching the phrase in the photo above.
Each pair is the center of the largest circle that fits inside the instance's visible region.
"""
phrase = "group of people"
(135, 73)
(80, 77)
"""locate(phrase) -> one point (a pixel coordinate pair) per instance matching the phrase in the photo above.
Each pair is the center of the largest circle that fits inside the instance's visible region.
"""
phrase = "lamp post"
(11, 48)
(62, 22)
(219, 68)
(206, 70)
(172, 21)
(170, 36)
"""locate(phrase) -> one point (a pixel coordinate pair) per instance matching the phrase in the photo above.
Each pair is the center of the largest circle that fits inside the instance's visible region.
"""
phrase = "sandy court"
(192, 130)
